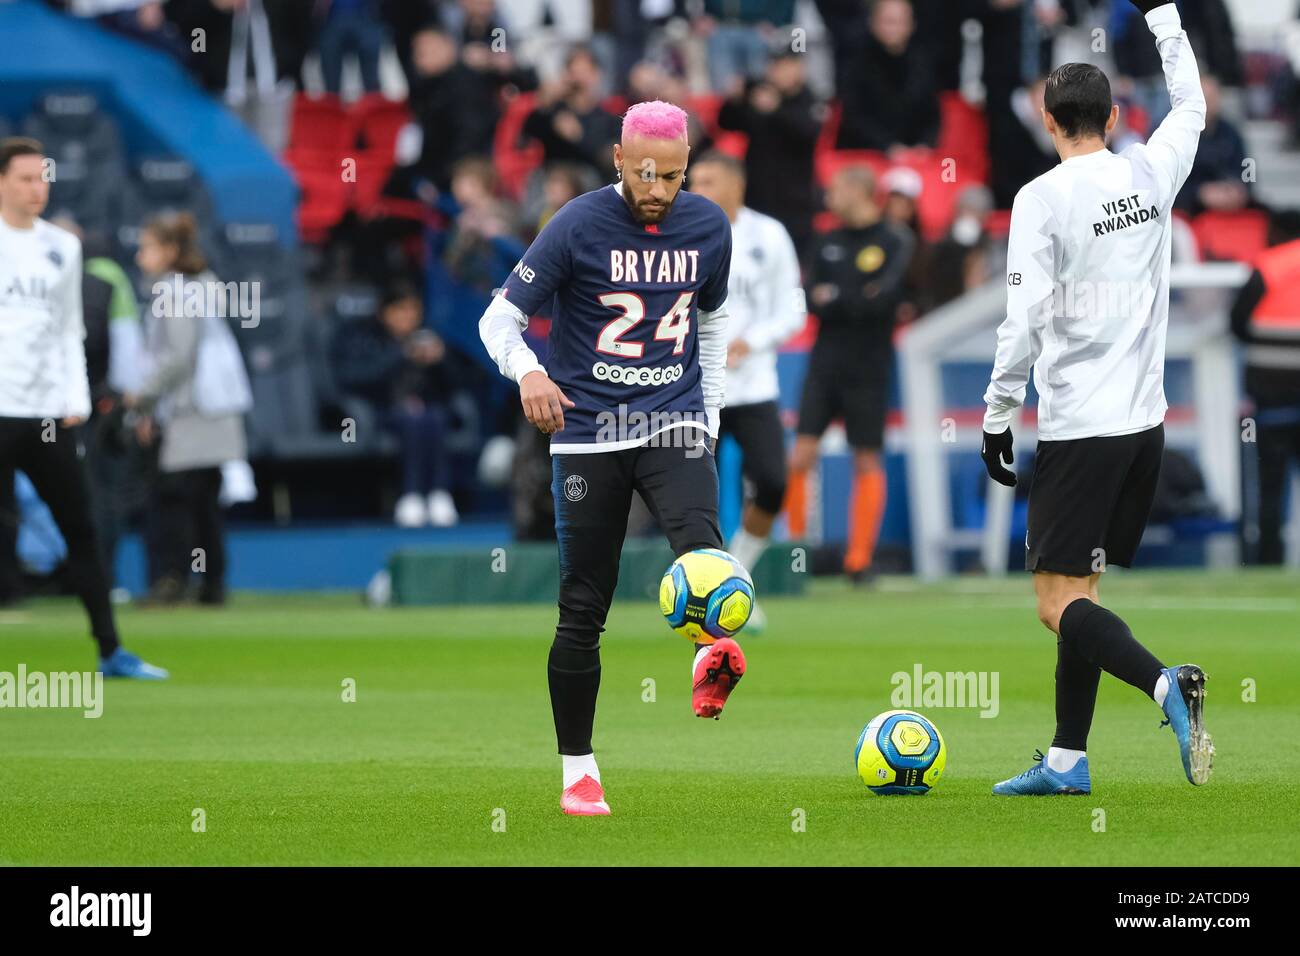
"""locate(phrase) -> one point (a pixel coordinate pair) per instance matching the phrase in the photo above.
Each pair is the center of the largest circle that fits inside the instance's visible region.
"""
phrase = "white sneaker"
(442, 509)
(757, 622)
(410, 512)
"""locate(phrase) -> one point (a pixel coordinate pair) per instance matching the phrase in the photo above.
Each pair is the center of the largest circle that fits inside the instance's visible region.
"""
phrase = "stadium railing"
(963, 332)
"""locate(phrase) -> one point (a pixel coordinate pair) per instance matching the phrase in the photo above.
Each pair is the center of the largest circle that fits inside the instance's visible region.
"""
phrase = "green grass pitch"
(447, 754)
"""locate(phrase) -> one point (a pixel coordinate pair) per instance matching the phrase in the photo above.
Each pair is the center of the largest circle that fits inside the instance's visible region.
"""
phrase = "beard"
(639, 211)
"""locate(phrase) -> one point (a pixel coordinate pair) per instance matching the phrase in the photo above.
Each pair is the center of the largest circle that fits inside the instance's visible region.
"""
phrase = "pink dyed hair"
(654, 119)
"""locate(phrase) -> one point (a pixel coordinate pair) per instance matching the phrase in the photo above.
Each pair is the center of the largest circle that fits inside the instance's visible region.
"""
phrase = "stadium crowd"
(472, 121)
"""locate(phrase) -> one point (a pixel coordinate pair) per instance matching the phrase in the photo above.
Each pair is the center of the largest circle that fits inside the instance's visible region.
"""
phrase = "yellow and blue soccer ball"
(900, 752)
(706, 594)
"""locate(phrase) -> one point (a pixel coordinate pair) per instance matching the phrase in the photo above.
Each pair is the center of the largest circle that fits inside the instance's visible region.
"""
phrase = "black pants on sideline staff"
(1278, 445)
(190, 513)
(57, 472)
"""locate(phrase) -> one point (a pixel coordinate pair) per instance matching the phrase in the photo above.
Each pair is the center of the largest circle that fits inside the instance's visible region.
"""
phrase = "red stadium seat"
(515, 161)
(321, 123)
(374, 166)
(964, 136)
(324, 202)
(942, 180)
(379, 120)
(829, 162)
(706, 107)
(1231, 236)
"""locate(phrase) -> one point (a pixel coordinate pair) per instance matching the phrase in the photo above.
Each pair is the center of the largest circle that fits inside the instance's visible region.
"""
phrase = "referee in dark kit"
(44, 392)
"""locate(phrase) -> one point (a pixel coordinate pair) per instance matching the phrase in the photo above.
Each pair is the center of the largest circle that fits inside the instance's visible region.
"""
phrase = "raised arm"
(1172, 147)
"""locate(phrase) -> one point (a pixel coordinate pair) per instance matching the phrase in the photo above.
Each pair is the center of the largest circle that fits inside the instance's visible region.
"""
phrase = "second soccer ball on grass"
(899, 752)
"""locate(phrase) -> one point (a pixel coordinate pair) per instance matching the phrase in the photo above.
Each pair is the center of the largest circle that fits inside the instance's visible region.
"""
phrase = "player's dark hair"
(727, 162)
(180, 231)
(1078, 97)
(12, 146)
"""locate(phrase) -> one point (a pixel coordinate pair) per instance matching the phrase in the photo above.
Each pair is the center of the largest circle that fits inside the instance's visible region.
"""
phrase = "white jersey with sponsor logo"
(42, 330)
(1088, 273)
(765, 302)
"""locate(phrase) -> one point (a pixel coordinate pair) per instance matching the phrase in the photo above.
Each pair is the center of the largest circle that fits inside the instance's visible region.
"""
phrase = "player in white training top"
(1087, 308)
(44, 393)
(765, 303)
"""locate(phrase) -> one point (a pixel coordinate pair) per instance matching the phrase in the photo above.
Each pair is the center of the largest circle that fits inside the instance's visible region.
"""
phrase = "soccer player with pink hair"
(634, 277)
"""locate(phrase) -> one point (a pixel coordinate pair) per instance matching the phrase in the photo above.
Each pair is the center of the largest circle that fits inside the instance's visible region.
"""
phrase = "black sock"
(574, 676)
(1102, 638)
(1076, 697)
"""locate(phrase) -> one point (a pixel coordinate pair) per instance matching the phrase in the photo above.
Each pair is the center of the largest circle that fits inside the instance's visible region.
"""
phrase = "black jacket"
(888, 100)
(779, 163)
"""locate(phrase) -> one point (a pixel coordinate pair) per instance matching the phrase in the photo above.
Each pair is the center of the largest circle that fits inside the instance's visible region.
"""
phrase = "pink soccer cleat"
(586, 798)
(716, 676)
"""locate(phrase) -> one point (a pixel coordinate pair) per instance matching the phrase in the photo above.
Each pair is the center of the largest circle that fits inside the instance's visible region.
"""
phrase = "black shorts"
(757, 429)
(1089, 501)
(849, 386)
(593, 494)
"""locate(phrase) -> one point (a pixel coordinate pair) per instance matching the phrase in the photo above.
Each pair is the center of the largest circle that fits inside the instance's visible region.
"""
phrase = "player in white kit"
(1087, 309)
(44, 392)
(765, 301)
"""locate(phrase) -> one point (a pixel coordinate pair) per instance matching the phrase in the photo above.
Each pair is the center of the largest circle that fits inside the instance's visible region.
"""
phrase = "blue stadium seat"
(84, 143)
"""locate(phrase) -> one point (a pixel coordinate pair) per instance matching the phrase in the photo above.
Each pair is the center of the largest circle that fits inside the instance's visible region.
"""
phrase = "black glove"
(1146, 6)
(993, 451)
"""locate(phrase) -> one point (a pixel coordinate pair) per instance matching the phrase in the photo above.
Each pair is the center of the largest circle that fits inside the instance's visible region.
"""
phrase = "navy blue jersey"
(624, 298)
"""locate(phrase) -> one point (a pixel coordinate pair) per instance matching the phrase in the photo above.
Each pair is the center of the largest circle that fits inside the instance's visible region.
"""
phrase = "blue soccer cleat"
(122, 663)
(1040, 780)
(1184, 709)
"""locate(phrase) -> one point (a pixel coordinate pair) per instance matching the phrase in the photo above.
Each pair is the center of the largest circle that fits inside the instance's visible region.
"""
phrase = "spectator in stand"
(403, 370)
(1216, 181)
(1210, 30)
(903, 186)
(543, 30)
(738, 34)
(782, 120)
(888, 93)
(620, 29)
(477, 21)
(141, 20)
(454, 105)
(480, 248)
(569, 120)
(286, 23)
(959, 262)
(560, 183)
(649, 80)
(350, 26)
(1020, 148)
(404, 19)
